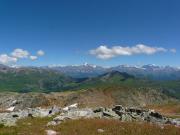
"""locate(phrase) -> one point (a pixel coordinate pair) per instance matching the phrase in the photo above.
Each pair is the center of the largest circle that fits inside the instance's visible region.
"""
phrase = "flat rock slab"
(51, 132)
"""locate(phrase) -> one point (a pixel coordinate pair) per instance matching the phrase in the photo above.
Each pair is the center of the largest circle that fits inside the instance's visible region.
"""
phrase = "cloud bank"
(103, 52)
(18, 54)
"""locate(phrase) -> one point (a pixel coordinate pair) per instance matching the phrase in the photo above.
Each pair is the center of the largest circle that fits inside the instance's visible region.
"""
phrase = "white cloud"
(5, 59)
(103, 52)
(20, 53)
(173, 50)
(40, 53)
(33, 57)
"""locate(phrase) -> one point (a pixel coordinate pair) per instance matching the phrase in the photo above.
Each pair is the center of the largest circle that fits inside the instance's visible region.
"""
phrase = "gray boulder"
(10, 118)
(72, 114)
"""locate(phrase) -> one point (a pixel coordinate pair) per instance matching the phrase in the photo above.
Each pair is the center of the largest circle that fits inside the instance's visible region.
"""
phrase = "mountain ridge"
(146, 71)
(149, 71)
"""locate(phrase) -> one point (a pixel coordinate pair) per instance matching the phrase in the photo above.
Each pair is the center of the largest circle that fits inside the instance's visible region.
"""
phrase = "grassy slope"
(169, 88)
(37, 126)
(169, 109)
(33, 80)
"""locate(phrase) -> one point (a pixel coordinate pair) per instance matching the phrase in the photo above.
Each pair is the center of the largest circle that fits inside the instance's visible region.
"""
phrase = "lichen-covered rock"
(109, 113)
(10, 118)
(72, 114)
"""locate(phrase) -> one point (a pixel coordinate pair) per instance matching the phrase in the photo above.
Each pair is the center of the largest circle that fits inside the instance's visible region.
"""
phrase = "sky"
(101, 32)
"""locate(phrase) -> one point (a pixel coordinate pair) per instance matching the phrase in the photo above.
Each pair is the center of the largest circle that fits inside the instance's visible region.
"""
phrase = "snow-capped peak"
(15, 66)
(90, 65)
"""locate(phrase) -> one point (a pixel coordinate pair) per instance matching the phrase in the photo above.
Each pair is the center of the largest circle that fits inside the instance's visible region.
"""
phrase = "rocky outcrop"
(118, 112)
(22, 101)
(72, 112)
(10, 118)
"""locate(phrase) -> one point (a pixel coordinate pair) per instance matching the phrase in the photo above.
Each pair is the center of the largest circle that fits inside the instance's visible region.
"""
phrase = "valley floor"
(37, 126)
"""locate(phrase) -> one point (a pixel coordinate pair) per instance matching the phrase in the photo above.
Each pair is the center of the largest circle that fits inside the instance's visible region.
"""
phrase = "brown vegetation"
(171, 109)
(38, 126)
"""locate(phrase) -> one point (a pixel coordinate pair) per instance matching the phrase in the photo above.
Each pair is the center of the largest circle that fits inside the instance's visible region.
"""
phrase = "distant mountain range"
(87, 70)
(146, 71)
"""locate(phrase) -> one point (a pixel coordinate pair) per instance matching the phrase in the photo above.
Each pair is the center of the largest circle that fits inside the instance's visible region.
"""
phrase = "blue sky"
(66, 31)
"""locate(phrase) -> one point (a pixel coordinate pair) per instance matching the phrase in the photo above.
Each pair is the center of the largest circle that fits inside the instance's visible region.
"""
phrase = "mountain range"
(149, 71)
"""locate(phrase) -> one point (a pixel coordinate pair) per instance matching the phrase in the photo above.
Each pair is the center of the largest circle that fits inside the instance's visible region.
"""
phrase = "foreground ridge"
(72, 112)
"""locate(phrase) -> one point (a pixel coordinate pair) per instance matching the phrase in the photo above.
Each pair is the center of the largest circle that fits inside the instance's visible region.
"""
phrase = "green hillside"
(29, 80)
(43, 80)
(117, 79)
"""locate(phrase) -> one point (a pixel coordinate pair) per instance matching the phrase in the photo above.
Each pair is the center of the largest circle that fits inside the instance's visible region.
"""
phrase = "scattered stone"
(71, 107)
(52, 123)
(51, 132)
(176, 121)
(162, 127)
(100, 131)
(10, 109)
